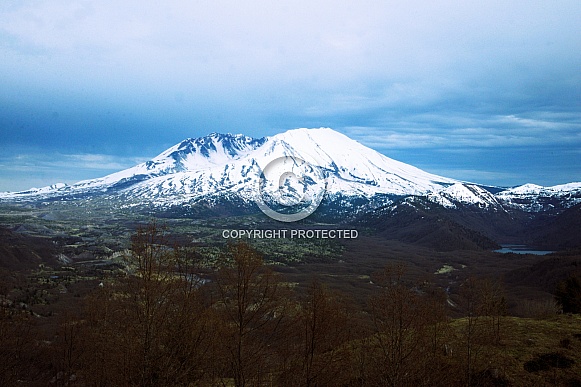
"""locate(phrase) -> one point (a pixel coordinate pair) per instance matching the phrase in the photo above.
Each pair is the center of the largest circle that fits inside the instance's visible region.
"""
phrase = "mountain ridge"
(216, 164)
(366, 174)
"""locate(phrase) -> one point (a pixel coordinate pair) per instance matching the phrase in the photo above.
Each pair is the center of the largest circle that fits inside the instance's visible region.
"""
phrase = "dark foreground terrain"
(120, 299)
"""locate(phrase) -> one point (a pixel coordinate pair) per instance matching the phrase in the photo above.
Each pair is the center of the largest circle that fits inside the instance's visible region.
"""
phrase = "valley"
(66, 258)
(83, 235)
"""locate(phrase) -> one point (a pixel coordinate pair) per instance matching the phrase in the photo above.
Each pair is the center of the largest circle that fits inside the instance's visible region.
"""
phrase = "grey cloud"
(394, 75)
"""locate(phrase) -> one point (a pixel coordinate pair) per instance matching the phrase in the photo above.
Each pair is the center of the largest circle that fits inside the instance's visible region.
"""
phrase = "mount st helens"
(217, 175)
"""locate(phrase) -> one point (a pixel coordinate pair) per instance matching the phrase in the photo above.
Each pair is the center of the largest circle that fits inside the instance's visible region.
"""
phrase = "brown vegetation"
(163, 323)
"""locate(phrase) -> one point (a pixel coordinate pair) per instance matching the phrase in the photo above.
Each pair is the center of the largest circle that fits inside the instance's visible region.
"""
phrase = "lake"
(521, 249)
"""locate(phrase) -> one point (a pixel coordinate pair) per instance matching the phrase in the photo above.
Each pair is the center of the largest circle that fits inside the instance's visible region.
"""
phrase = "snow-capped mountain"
(229, 166)
(232, 163)
(535, 198)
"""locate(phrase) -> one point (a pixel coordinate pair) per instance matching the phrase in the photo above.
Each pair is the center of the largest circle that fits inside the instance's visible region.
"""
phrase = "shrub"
(547, 361)
(568, 294)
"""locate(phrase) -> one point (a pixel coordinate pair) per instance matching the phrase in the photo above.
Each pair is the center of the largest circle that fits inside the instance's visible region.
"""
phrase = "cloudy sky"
(484, 91)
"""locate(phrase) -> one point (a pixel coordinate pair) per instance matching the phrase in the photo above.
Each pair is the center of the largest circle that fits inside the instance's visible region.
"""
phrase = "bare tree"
(151, 328)
(67, 348)
(492, 306)
(406, 330)
(323, 328)
(15, 342)
(252, 303)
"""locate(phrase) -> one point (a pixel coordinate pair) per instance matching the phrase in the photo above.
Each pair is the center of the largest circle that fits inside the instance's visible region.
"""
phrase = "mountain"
(558, 232)
(222, 173)
(418, 221)
(220, 164)
(535, 198)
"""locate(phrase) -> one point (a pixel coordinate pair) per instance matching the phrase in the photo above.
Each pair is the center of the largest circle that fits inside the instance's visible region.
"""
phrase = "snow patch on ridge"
(536, 198)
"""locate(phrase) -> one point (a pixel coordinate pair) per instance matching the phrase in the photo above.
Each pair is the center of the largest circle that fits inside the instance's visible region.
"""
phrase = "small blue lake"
(521, 249)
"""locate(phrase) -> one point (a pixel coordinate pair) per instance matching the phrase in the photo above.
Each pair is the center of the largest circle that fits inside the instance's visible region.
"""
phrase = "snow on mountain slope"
(351, 169)
(218, 163)
(356, 169)
(174, 171)
(191, 155)
(533, 189)
(225, 165)
(536, 198)
(464, 193)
